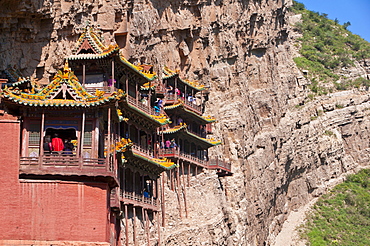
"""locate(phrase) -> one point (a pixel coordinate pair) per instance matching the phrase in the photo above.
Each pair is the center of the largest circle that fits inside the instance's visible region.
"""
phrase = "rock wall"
(284, 148)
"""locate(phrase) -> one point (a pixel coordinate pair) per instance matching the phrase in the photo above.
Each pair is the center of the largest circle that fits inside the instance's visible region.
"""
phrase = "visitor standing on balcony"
(68, 147)
(57, 143)
(47, 145)
(167, 144)
(173, 144)
(110, 81)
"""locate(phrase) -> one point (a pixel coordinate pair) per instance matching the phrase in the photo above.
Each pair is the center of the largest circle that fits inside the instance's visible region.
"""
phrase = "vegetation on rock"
(328, 49)
(342, 217)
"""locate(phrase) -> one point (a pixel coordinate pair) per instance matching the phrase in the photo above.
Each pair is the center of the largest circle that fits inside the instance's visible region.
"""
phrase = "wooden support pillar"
(159, 228)
(126, 224)
(109, 132)
(185, 93)
(81, 142)
(175, 88)
(145, 215)
(133, 182)
(177, 190)
(184, 190)
(189, 175)
(123, 181)
(126, 85)
(163, 202)
(134, 225)
(137, 93)
(113, 80)
(41, 150)
(83, 74)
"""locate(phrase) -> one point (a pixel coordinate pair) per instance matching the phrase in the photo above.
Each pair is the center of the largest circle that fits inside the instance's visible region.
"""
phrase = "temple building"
(85, 155)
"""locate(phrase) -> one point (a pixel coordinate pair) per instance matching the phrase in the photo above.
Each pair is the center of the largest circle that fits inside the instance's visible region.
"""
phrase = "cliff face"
(284, 148)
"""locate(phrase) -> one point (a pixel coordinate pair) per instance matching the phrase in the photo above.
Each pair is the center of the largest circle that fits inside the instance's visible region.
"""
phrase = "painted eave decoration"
(64, 83)
(141, 69)
(159, 119)
(180, 105)
(168, 73)
(183, 128)
(163, 163)
(125, 145)
(148, 86)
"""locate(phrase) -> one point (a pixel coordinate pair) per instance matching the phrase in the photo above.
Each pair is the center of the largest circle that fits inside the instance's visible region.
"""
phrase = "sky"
(357, 12)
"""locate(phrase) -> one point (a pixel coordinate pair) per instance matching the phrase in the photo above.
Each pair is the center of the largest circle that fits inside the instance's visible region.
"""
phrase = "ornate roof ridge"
(140, 69)
(64, 81)
(168, 73)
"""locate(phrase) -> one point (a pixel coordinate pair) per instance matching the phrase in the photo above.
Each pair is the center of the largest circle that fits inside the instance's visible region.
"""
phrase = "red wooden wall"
(47, 210)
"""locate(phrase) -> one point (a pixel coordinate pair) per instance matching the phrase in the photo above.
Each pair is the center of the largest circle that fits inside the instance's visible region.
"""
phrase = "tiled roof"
(63, 82)
(180, 104)
(168, 73)
(183, 128)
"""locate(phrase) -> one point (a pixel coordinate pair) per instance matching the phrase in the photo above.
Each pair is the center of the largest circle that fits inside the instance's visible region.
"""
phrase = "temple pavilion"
(120, 118)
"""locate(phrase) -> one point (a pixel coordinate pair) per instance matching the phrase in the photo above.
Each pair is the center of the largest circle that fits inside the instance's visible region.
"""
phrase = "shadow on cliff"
(25, 31)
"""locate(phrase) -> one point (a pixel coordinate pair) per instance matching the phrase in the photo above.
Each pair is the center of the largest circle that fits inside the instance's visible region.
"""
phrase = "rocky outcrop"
(284, 148)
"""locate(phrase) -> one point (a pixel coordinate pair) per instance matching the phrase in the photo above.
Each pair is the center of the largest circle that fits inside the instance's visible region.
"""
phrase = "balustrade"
(135, 198)
(66, 165)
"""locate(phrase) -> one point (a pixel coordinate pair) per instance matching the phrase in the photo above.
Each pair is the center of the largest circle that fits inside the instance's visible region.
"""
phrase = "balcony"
(222, 168)
(106, 89)
(66, 165)
(139, 200)
(173, 153)
(172, 98)
(137, 149)
(136, 103)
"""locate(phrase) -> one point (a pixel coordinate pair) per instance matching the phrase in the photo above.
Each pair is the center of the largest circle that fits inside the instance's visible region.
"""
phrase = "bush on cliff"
(327, 47)
(342, 217)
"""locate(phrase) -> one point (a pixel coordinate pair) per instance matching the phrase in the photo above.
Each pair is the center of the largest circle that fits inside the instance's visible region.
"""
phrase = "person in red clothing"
(57, 143)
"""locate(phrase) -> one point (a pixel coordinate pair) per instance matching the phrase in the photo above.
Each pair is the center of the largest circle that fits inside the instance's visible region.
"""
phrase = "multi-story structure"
(108, 108)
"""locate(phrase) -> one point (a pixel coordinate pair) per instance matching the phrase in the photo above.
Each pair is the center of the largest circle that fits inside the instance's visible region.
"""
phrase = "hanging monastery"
(131, 133)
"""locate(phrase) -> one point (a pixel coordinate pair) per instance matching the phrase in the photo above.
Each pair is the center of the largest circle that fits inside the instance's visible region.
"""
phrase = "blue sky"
(357, 12)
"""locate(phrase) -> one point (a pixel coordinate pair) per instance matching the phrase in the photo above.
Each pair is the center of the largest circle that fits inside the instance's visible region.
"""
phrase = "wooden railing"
(204, 135)
(188, 104)
(131, 197)
(106, 89)
(66, 165)
(132, 101)
(218, 164)
(174, 153)
(142, 151)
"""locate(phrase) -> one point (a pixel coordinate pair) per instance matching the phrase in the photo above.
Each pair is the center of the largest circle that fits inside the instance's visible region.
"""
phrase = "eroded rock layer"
(283, 148)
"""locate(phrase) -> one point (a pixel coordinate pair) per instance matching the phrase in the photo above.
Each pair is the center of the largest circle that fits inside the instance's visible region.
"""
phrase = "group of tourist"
(189, 97)
(57, 146)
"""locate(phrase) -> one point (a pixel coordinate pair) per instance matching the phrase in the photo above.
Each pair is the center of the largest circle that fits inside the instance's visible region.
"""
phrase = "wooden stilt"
(126, 224)
(163, 202)
(178, 188)
(147, 226)
(178, 173)
(189, 175)
(159, 228)
(184, 190)
(134, 225)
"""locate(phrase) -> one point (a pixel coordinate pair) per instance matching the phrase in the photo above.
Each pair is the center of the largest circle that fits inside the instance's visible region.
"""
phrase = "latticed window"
(88, 134)
(34, 134)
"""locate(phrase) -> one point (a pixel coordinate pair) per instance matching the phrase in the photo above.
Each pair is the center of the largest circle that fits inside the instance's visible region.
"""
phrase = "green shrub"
(326, 47)
(342, 217)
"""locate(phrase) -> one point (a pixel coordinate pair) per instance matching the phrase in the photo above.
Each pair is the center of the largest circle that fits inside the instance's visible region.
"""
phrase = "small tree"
(347, 24)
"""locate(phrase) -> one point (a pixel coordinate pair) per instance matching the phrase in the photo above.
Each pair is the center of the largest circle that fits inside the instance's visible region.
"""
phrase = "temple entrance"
(64, 134)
